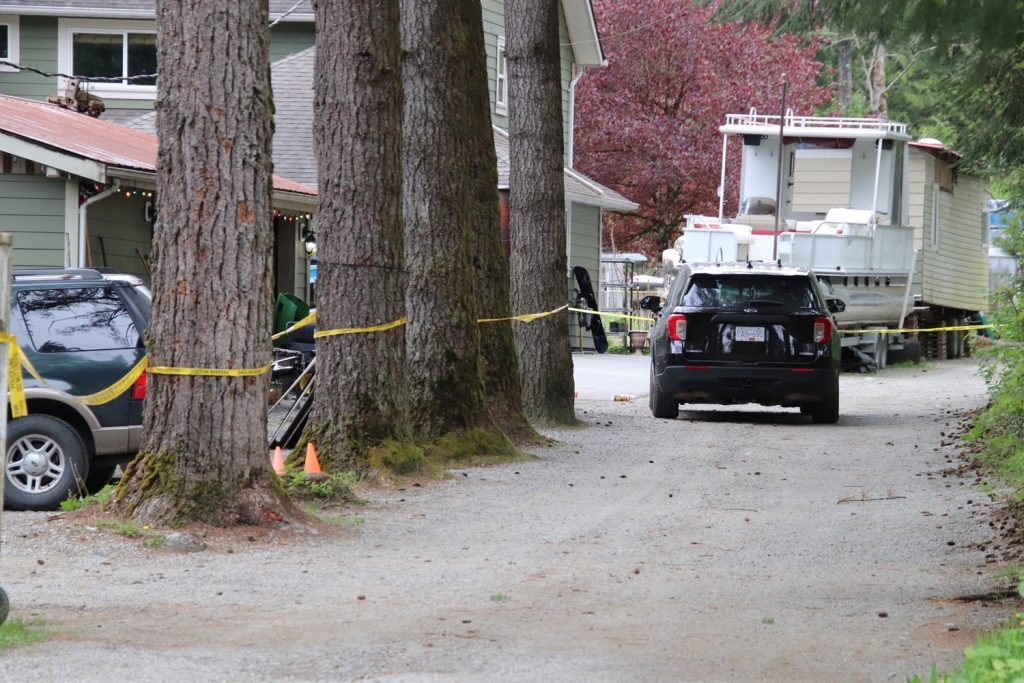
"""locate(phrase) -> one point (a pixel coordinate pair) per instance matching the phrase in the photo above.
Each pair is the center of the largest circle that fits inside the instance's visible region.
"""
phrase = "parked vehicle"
(745, 333)
(847, 199)
(81, 330)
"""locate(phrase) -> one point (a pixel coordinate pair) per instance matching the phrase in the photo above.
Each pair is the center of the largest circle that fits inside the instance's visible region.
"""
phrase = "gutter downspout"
(577, 75)
(82, 234)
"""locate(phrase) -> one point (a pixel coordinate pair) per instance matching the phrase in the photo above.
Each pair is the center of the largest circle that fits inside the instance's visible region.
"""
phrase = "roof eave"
(40, 154)
(583, 33)
(602, 202)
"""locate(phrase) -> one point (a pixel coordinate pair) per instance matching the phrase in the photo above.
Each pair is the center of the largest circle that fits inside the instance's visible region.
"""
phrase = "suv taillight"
(140, 387)
(822, 330)
(677, 327)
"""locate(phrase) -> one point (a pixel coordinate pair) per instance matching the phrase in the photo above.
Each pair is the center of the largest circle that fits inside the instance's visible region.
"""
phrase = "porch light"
(309, 241)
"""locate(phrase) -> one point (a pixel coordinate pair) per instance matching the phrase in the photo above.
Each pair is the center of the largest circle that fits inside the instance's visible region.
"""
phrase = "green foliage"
(129, 529)
(999, 429)
(156, 542)
(997, 657)
(17, 632)
(333, 487)
(101, 497)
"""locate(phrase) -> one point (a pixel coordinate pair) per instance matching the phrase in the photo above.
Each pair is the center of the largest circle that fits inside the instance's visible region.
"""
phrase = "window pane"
(142, 57)
(5, 41)
(738, 291)
(88, 319)
(97, 54)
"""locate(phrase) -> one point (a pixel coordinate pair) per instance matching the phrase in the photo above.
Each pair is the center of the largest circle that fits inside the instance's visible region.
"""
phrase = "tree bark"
(845, 75)
(879, 86)
(537, 208)
(442, 41)
(360, 401)
(204, 453)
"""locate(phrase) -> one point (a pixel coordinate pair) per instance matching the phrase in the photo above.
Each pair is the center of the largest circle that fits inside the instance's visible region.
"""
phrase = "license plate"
(749, 334)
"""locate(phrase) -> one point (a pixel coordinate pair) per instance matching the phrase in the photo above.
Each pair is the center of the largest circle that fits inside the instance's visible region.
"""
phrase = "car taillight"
(677, 327)
(822, 330)
(140, 387)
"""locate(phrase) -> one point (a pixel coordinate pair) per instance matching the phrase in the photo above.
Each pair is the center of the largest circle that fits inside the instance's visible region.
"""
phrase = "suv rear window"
(739, 291)
(79, 319)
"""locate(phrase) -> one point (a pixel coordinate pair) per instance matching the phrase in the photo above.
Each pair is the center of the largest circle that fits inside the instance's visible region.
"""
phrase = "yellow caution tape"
(19, 406)
(603, 314)
(951, 328)
(209, 372)
(526, 317)
(117, 388)
(360, 330)
(299, 324)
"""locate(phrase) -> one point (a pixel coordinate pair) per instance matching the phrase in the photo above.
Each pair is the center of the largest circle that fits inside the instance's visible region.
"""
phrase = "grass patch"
(101, 497)
(500, 597)
(156, 542)
(129, 529)
(321, 487)
(340, 519)
(16, 632)
(997, 657)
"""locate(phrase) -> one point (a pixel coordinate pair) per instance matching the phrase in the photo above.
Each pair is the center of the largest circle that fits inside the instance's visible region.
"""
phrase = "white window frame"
(935, 216)
(13, 24)
(67, 28)
(500, 78)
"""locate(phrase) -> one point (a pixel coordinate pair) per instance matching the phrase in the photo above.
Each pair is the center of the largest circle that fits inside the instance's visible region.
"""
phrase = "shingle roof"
(578, 187)
(139, 9)
(293, 136)
(293, 118)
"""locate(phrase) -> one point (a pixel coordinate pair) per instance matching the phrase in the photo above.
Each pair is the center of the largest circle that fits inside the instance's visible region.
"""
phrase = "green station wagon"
(81, 330)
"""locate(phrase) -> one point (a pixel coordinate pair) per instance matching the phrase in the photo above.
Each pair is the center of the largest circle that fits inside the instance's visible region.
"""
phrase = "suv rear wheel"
(46, 463)
(662, 405)
(827, 412)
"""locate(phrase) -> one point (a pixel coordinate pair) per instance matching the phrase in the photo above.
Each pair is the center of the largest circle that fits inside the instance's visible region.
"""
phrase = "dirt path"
(725, 545)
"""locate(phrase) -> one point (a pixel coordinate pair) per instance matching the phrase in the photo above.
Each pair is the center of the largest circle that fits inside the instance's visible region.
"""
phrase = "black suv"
(81, 330)
(745, 333)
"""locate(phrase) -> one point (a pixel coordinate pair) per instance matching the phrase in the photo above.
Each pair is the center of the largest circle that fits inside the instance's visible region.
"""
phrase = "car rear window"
(740, 291)
(77, 319)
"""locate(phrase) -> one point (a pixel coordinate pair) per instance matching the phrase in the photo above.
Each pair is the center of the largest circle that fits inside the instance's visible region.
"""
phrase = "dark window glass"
(741, 291)
(97, 54)
(87, 319)
(5, 41)
(142, 57)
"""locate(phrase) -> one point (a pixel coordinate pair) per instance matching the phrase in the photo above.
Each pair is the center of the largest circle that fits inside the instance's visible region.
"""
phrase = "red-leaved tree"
(647, 124)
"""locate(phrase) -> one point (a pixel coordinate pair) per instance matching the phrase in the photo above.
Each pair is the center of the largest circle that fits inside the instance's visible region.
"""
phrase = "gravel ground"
(732, 545)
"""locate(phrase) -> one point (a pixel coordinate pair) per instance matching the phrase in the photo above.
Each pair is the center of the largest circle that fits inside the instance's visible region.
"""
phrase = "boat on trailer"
(864, 252)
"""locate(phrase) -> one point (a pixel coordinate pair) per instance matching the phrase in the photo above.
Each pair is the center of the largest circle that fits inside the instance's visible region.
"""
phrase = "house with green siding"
(79, 191)
(116, 39)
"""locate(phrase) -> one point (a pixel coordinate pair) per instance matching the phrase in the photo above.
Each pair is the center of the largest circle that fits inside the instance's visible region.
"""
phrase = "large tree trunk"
(360, 399)
(204, 454)
(537, 207)
(443, 42)
(879, 87)
(845, 75)
(502, 388)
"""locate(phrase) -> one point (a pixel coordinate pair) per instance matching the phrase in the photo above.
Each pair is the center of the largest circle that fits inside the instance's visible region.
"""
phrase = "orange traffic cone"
(312, 464)
(277, 461)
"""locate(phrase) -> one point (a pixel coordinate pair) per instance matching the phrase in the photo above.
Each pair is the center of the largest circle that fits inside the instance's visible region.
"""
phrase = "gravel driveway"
(732, 545)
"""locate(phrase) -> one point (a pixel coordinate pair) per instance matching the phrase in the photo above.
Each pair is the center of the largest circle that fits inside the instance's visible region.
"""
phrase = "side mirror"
(835, 305)
(651, 303)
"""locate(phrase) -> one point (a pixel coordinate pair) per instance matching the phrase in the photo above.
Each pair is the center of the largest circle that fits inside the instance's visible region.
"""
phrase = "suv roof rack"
(57, 274)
